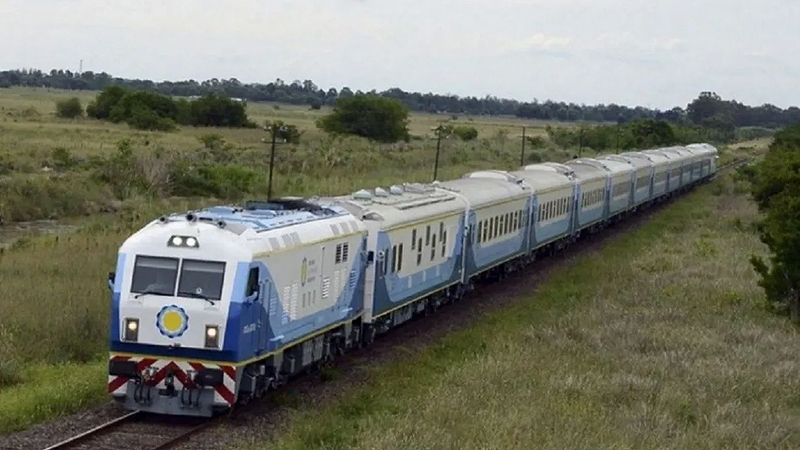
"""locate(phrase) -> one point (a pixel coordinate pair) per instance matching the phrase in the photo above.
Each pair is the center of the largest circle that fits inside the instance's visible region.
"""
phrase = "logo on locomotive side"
(304, 272)
(172, 321)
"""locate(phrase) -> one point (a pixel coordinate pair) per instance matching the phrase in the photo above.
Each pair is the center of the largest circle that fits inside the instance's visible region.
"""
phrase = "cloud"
(538, 41)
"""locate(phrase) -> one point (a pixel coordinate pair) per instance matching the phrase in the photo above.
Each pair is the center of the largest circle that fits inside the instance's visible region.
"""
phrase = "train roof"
(588, 169)
(486, 187)
(636, 162)
(543, 181)
(400, 204)
(614, 167)
(683, 153)
(657, 159)
(268, 226)
(671, 155)
(702, 148)
(261, 216)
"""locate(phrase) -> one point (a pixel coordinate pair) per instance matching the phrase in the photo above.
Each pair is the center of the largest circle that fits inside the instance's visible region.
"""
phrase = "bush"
(69, 109)
(149, 110)
(208, 180)
(465, 132)
(776, 190)
(143, 118)
(370, 116)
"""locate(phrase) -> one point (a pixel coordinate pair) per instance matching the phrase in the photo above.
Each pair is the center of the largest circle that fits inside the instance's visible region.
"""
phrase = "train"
(216, 307)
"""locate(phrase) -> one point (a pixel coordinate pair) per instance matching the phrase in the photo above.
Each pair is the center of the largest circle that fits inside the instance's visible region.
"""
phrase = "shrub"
(465, 132)
(69, 109)
(371, 116)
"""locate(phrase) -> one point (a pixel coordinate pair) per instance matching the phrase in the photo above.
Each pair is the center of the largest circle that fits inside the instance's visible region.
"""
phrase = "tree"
(368, 115)
(69, 109)
(775, 185)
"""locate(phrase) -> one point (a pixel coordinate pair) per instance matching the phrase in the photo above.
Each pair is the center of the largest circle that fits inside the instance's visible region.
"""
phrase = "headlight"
(183, 241)
(131, 332)
(212, 336)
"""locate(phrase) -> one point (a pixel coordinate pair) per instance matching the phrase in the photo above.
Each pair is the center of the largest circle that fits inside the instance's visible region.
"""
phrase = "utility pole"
(438, 148)
(274, 129)
(522, 154)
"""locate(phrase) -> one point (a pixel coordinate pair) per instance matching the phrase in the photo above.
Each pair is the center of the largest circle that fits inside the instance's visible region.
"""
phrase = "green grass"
(50, 391)
(659, 340)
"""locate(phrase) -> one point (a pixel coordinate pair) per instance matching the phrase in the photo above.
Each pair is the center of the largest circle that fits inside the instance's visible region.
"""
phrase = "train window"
(419, 245)
(252, 281)
(419, 258)
(394, 258)
(338, 253)
(428, 235)
(433, 248)
(496, 227)
(400, 258)
(413, 238)
(155, 275)
(441, 229)
(201, 278)
(345, 251)
(444, 242)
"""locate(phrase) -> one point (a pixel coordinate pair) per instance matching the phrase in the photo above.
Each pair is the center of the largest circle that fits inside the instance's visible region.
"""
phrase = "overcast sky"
(633, 52)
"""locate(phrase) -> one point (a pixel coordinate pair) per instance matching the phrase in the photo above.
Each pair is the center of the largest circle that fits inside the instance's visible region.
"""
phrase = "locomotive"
(219, 306)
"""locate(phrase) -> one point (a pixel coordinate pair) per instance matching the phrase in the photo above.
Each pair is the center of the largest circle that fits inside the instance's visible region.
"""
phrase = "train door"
(265, 293)
(252, 312)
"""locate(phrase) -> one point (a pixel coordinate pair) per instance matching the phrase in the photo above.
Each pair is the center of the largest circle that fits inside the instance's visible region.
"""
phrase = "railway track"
(137, 430)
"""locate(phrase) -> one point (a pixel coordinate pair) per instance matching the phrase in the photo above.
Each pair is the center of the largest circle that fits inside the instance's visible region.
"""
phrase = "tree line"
(707, 108)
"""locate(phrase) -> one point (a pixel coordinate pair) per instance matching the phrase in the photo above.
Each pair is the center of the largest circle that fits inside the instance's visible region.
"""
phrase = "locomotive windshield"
(159, 276)
(202, 279)
(154, 275)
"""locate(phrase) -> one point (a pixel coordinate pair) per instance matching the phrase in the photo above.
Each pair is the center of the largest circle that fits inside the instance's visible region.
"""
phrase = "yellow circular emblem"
(172, 321)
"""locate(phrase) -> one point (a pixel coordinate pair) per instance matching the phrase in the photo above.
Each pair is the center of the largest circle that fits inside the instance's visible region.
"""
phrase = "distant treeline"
(708, 107)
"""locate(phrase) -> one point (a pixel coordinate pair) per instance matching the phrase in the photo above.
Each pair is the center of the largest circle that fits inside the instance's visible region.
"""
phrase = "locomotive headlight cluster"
(131, 332)
(183, 241)
(212, 336)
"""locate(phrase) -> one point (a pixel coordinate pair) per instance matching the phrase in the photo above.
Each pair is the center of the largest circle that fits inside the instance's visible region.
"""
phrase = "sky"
(631, 52)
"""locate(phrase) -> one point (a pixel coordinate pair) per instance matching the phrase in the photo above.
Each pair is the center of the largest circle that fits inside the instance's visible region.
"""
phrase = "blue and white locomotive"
(222, 305)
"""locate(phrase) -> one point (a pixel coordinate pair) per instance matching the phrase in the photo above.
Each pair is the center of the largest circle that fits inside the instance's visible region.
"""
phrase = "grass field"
(660, 340)
(47, 164)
